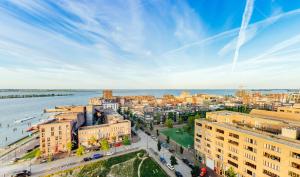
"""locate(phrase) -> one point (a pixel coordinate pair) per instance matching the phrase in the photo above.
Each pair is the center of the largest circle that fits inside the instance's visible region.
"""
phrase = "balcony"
(270, 156)
(233, 142)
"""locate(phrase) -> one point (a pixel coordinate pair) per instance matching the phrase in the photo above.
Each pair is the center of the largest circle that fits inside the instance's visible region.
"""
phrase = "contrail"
(242, 33)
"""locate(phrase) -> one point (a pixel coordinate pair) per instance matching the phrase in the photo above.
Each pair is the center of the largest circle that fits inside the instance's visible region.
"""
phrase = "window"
(233, 156)
(250, 140)
(233, 142)
(271, 165)
(199, 124)
(250, 156)
(208, 127)
(270, 156)
(220, 138)
(234, 135)
(220, 131)
(295, 155)
(249, 148)
(250, 165)
(232, 149)
(293, 174)
(295, 165)
(233, 164)
(272, 148)
(268, 173)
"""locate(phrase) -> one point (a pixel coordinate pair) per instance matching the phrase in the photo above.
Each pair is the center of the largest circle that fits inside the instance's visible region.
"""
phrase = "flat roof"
(102, 125)
(254, 132)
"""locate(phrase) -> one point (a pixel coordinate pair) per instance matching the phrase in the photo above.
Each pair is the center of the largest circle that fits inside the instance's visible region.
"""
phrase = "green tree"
(195, 171)
(92, 141)
(169, 123)
(157, 132)
(38, 153)
(180, 121)
(119, 110)
(126, 140)
(168, 139)
(158, 145)
(69, 147)
(137, 126)
(173, 160)
(50, 158)
(80, 150)
(104, 145)
(230, 172)
(181, 150)
(170, 115)
(191, 121)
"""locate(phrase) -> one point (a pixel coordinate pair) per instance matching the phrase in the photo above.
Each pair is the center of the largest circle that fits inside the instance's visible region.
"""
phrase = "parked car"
(178, 174)
(110, 153)
(163, 160)
(186, 161)
(36, 146)
(87, 159)
(97, 156)
(203, 172)
(171, 150)
(15, 160)
(43, 161)
(191, 165)
(22, 173)
(170, 167)
(117, 144)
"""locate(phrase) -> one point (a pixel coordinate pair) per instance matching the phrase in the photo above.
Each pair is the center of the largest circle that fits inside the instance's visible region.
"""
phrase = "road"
(146, 142)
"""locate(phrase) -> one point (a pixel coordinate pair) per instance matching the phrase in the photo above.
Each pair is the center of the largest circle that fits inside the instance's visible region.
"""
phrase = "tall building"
(107, 94)
(253, 145)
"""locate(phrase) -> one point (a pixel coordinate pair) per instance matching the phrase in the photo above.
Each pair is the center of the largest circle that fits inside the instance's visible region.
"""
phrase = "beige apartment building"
(295, 109)
(254, 145)
(54, 137)
(114, 132)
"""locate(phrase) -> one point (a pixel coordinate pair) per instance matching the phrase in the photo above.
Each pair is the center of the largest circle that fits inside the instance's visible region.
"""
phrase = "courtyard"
(179, 136)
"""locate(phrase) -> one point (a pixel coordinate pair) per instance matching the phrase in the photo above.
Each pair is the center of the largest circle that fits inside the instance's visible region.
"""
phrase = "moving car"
(22, 173)
(87, 159)
(97, 156)
(170, 167)
(178, 174)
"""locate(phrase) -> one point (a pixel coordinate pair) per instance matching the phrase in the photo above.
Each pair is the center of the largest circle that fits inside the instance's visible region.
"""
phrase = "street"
(146, 142)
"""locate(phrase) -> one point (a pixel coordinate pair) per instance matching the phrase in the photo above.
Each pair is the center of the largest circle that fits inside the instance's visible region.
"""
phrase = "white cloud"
(242, 33)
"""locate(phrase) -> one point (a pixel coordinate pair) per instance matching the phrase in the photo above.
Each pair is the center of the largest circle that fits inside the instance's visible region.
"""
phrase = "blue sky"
(150, 44)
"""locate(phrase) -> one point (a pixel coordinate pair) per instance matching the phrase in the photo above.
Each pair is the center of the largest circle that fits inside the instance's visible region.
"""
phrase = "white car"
(110, 153)
(170, 167)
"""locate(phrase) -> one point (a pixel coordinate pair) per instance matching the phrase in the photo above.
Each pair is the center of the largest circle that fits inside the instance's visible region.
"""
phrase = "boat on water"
(23, 120)
(44, 121)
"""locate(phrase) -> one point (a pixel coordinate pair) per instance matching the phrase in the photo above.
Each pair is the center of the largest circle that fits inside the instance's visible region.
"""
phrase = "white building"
(113, 106)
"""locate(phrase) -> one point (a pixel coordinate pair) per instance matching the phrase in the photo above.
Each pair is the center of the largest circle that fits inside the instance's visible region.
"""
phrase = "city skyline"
(149, 44)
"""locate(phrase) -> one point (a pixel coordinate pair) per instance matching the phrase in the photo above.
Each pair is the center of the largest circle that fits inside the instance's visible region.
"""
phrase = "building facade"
(54, 137)
(247, 144)
(113, 132)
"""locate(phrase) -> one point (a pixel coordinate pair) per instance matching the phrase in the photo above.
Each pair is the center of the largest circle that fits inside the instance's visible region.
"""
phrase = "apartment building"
(113, 132)
(54, 137)
(295, 109)
(254, 145)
